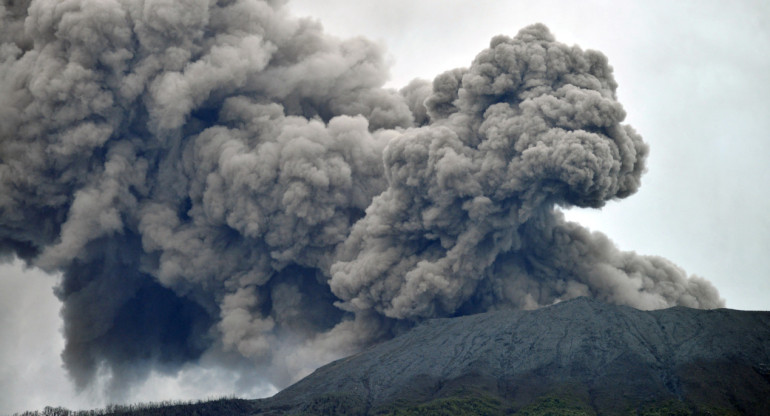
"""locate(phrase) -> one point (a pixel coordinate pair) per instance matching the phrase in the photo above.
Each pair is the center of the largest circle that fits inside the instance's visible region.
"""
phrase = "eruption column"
(219, 178)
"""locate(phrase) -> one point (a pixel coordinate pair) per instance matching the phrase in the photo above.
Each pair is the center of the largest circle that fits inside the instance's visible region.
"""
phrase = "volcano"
(577, 357)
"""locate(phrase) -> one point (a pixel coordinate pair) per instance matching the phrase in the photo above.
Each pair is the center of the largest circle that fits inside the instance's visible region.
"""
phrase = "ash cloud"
(222, 179)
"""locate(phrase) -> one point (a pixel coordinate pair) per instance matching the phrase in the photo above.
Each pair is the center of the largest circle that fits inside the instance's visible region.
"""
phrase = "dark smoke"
(221, 178)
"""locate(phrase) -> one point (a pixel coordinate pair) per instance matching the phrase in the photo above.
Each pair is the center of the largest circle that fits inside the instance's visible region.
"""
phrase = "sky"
(694, 79)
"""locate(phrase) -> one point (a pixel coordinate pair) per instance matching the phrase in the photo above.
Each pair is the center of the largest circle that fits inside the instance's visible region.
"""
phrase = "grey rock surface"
(610, 350)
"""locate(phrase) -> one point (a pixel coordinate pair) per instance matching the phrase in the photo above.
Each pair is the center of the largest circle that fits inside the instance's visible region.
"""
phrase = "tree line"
(229, 406)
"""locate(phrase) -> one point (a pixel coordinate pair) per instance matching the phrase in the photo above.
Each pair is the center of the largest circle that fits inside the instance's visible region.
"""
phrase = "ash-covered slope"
(613, 358)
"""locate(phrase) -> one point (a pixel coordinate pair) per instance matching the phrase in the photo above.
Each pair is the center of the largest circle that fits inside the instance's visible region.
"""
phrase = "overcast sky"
(694, 78)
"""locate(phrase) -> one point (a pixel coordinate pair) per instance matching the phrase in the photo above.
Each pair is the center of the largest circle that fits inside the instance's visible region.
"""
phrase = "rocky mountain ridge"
(613, 358)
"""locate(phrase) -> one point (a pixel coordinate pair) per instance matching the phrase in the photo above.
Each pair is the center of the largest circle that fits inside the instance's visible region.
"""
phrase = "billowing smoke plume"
(219, 177)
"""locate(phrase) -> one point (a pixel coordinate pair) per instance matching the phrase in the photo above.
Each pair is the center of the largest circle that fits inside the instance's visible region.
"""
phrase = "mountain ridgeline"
(583, 355)
(579, 357)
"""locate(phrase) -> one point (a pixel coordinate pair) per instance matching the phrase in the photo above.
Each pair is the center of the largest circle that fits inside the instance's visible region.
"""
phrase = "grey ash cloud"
(221, 178)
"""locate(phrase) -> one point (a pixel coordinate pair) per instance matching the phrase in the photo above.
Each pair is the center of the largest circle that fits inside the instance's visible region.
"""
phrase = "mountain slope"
(580, 357)
(608, 358)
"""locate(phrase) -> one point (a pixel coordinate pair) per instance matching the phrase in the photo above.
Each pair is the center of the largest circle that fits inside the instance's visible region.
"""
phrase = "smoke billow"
(217, 177)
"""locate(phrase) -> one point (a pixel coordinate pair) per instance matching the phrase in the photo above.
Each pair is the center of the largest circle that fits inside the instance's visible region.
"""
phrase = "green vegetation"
(716, 411)
(667, 408)
(479, 405)
(334, 404)
(555, 406)
(463, 403)
(678, 408)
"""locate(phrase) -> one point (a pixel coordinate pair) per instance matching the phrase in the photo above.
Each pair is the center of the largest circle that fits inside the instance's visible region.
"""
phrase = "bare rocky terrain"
(611, 359)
